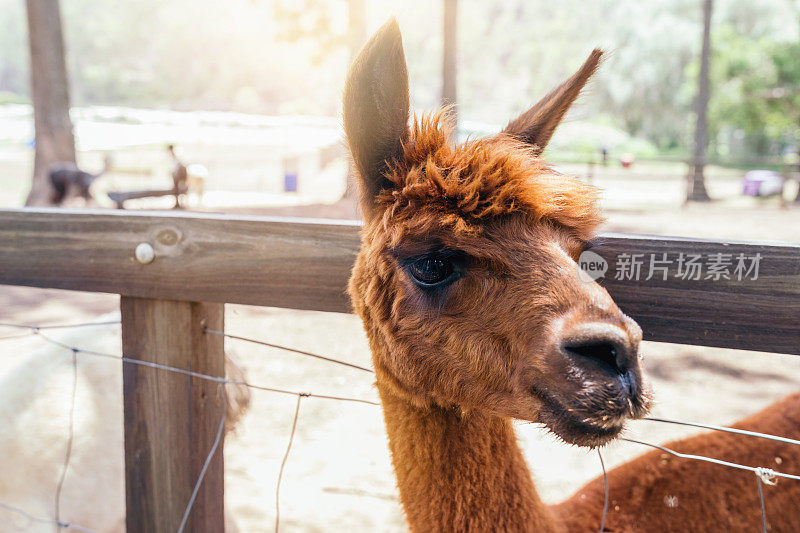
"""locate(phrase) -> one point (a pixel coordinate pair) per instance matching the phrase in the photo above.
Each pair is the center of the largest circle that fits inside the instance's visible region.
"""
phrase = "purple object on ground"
(290, 182)
(762, 183)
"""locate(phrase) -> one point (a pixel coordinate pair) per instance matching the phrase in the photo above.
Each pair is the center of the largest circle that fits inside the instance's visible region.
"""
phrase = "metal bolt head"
(145, 253)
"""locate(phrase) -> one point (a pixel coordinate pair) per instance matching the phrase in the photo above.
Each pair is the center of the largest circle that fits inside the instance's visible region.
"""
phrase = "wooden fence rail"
(305, 264)
(201, 261)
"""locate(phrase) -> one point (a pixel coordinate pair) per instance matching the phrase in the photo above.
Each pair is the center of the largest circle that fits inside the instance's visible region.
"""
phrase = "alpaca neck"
(459, 472)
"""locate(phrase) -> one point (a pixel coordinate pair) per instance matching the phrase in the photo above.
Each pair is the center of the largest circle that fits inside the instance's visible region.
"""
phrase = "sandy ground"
(338, 476)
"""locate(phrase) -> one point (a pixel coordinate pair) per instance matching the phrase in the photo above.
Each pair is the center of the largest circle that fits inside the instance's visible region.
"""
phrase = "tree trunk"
(50, 96)
(449, 59)
(697, 187)
(356, 37)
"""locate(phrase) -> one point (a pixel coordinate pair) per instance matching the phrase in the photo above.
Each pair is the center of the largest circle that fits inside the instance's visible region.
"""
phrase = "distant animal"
(186, 179)
(180, 175)
(468, 288)
(69, 180)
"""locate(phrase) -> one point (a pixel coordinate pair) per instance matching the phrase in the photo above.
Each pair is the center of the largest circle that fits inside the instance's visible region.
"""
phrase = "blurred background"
(249, 91)
(691, 127)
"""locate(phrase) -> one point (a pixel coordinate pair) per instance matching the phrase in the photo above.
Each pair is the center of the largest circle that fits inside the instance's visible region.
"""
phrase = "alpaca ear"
(376, 111)
(536, 125)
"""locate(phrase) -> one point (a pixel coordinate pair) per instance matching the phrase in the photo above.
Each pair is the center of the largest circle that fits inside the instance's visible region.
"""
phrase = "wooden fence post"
(171, 419)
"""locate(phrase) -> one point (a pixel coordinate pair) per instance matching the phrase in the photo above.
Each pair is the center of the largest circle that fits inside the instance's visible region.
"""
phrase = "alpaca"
(34, 415)
(66, 176)
(468, 289)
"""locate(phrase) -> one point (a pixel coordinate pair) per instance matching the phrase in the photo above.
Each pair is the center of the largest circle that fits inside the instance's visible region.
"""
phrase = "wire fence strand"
(760, 471)
(287, 349)
(761, 501)
(283, 464)
(19, 335)
(605, 491)
(209, 457)
(762, 474)
(60, 326)
(220, 430)
(726, 430)
(199, 375)
(40, 520)
(70, 437)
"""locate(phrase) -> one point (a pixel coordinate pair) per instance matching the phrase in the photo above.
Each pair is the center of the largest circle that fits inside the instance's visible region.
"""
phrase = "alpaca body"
(34, 412)
(660, 492)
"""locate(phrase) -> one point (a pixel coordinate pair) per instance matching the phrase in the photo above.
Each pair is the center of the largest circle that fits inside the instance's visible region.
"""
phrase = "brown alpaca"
(468, 289)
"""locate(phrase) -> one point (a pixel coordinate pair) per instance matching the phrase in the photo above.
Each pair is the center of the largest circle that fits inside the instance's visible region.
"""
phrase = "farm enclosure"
(304, 265)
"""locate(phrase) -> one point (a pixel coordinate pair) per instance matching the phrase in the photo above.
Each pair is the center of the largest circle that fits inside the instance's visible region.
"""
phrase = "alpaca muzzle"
(597, 379)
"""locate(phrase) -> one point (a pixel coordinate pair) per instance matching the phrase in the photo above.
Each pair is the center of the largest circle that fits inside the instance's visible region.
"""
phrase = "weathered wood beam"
(304, 264)
(171, 420)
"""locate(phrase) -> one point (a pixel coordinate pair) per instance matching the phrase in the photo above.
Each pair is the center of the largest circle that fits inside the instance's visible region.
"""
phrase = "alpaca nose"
(601, 346)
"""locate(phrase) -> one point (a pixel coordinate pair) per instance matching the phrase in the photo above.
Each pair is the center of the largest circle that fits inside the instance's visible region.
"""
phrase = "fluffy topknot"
(465, 185)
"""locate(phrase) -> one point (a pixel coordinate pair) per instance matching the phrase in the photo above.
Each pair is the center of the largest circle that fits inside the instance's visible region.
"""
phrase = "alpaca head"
(467, 279)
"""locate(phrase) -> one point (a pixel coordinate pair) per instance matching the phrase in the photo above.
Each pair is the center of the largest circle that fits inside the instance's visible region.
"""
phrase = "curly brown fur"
(463, 186)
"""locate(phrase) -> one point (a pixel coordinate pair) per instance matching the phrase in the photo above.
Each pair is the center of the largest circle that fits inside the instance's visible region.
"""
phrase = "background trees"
(50, 95)
(245, 56)
(697, 185)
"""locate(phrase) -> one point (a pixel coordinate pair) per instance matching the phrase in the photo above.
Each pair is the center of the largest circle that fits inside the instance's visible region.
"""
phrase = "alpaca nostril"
(605, 352)
(600, 346)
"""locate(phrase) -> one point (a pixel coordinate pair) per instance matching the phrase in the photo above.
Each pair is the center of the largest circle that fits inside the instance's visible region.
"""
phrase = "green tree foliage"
(756, 92)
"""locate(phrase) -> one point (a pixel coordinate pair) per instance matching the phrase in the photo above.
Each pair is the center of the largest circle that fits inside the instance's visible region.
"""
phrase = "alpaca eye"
(431, 270)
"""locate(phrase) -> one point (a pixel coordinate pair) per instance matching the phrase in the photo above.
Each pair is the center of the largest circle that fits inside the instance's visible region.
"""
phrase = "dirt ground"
(338, 476)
